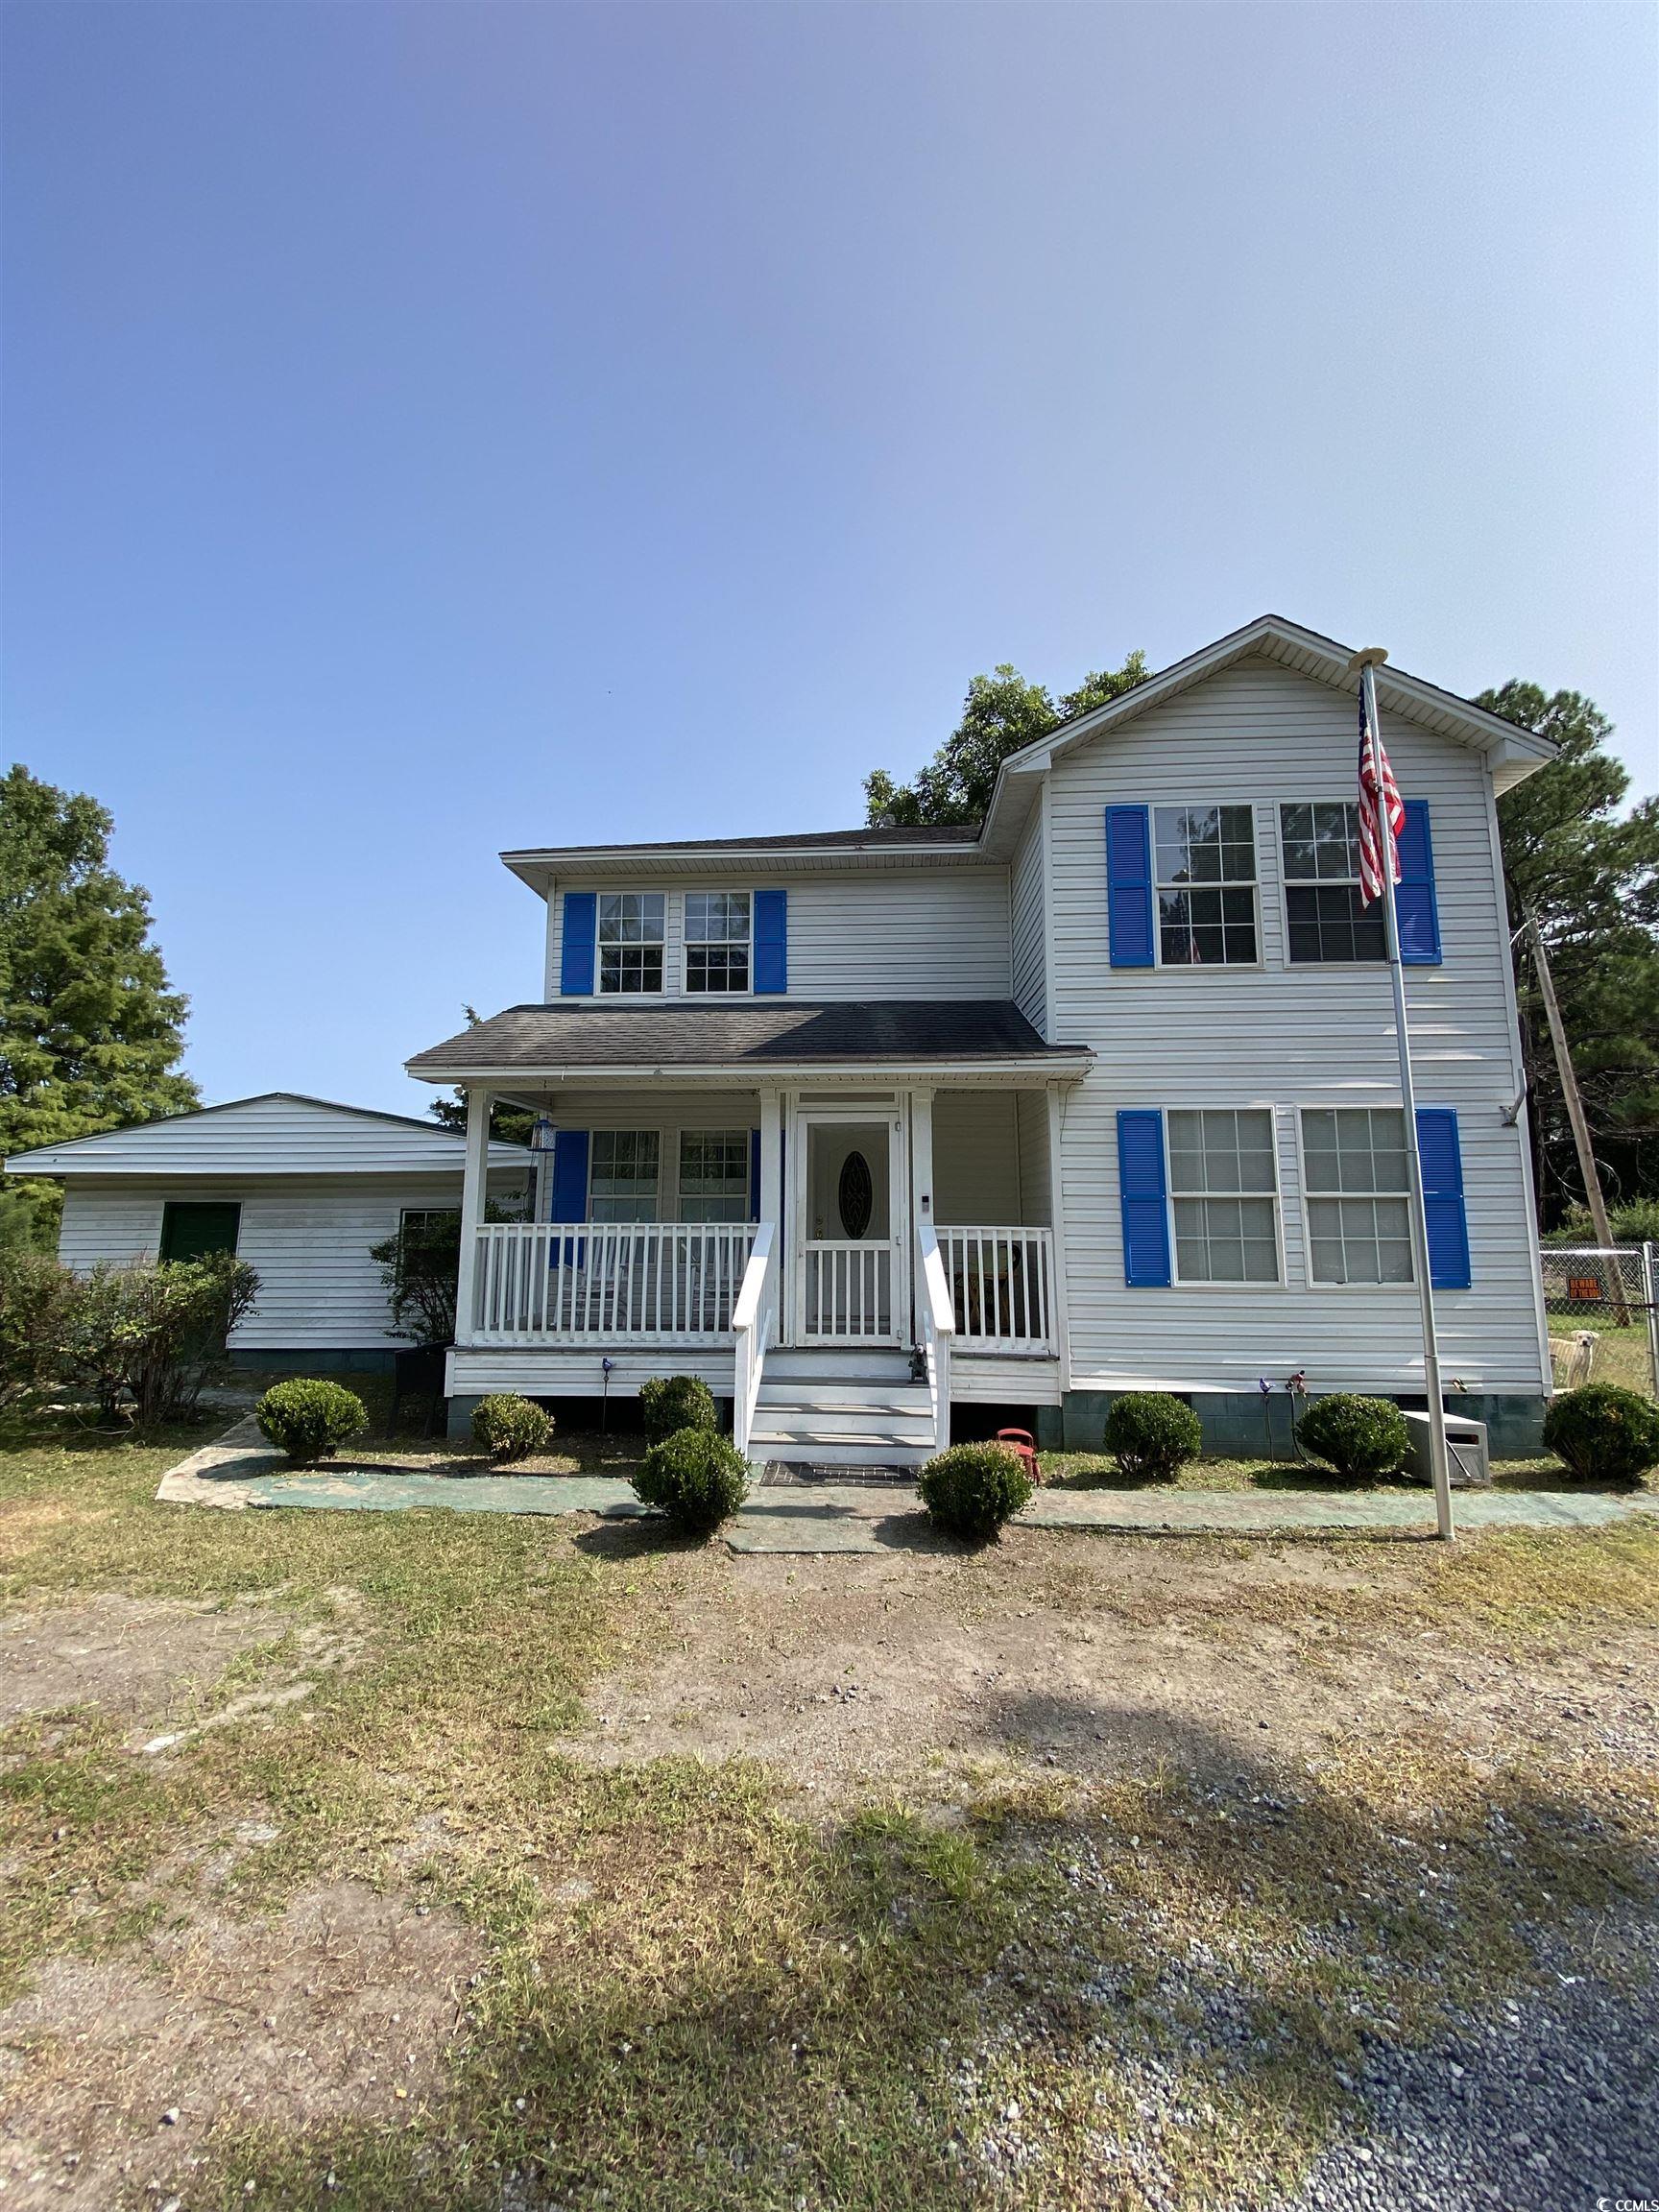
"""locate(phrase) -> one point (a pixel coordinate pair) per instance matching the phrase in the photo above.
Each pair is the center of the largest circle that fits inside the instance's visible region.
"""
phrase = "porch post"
(474, 1179)
(1057, 1230)
(772, 1159)
(922, 1207)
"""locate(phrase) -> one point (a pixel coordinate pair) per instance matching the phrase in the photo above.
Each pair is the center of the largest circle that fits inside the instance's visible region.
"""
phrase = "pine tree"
(1590, 874)
(91, 1035)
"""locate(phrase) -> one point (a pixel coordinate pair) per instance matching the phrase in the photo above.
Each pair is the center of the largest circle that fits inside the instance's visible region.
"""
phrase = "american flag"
(1375, 773)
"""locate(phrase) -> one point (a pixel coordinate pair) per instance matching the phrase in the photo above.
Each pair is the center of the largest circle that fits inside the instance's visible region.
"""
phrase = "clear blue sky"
(431, 428)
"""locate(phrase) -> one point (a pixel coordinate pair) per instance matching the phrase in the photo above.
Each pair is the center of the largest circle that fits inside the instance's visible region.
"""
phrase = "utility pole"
(1576, 1110)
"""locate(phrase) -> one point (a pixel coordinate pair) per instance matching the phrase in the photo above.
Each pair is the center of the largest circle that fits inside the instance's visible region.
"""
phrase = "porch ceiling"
(753, 1041)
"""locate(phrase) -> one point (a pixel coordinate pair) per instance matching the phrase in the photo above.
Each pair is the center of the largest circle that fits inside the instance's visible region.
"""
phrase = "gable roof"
(765, 1038)
(1514, 753)
(273, 1133)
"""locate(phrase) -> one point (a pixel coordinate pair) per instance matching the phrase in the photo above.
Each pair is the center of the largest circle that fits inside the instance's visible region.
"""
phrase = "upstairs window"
(1323, 915)
(623, 1175)
(1206, 863)
(1358, 1194)
(1225, 1195)
(630, 941)
(717, 927)
(714, 1176)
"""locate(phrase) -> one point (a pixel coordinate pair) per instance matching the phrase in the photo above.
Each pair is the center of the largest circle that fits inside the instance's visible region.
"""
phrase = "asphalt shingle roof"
(753, 1034)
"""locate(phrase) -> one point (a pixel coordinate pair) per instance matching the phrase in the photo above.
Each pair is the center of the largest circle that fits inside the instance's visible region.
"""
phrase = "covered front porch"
(880, 1228)
(650, 1210)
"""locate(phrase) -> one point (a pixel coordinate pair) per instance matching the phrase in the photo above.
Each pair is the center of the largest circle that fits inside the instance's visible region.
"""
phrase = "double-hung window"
(631, 940)
(623, 1175)
(1323, 915)
(714, 1176)
(1225, 1196)
(1206, 862)
(1358, 1194)
(717, 940)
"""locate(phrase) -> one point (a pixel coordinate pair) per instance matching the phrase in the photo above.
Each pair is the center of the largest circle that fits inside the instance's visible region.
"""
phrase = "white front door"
(850, 1211)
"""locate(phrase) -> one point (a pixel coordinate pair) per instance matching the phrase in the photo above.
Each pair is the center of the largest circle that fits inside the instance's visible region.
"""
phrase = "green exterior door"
(192, 1232)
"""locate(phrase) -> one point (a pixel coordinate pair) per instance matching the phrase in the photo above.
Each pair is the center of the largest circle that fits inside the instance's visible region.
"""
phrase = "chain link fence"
(1602, 1324)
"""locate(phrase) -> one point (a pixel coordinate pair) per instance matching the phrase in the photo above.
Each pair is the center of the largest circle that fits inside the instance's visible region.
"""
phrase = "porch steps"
(842, 1409)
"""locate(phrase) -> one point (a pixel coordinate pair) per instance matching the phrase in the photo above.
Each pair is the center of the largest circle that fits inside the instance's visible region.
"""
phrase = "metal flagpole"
(1366, 664)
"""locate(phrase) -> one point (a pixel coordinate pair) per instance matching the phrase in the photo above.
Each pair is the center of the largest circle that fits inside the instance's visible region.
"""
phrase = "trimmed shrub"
(972, 1489)
(670, 1403)
(694, 1477)
(1152, 1435)
(309, 1419)
(509, 1426)
(1602, 1434)
(1360, 1438)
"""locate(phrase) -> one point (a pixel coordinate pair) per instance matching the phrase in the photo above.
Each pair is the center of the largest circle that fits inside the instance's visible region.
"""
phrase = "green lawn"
(698, 1988)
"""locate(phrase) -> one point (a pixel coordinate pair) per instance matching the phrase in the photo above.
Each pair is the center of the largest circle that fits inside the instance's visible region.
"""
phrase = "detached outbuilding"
(299, 1187)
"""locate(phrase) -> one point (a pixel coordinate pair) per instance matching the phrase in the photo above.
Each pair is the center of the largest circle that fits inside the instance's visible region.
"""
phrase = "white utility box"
(1466, 1455)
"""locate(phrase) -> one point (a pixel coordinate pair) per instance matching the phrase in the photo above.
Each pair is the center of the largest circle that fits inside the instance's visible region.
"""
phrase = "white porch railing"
(754, 1325)
(1002, 1289)
(847, 1293)
(563, 1281)
(938, 1328)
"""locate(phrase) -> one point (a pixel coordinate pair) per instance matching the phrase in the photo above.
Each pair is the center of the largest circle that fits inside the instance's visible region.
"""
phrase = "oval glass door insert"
(857, 1195)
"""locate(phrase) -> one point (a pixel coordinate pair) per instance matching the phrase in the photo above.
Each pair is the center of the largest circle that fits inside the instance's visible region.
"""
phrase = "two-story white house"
(1101, 1093)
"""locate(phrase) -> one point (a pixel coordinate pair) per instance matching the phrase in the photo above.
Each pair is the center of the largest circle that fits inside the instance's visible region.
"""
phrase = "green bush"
(38, 1299)
(511, 1428)
(140, 1339)
(670, 1403)
(310, 1419)
(1360, 1438)
(694, 1477)
(972, 1489)
(1602, 1434)
(1151, 1436)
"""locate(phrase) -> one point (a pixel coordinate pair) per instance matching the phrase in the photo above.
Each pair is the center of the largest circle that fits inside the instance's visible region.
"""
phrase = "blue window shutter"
(1414, 906)
(771, 942)
(754, 1174)
(1442, 1210)
(1129, 887)
(576, 952)
(570, 1176)
(1143, 1192)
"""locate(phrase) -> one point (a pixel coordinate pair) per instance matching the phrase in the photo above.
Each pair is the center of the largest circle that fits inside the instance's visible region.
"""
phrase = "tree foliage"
(1590, 874)
(90, 1034)
(1001, 714)
(509, 1124)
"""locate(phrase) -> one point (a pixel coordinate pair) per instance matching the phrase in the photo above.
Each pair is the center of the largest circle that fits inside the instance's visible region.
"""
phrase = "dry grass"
(695, 1987)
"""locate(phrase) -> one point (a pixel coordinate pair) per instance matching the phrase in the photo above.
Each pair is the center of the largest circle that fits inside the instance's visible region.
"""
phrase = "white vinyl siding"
(307, 1238)
(1290, 1037)
(887, 933)
(1028, 922)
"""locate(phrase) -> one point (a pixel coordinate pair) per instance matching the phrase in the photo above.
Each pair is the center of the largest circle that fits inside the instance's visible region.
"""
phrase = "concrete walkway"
(240, 1472)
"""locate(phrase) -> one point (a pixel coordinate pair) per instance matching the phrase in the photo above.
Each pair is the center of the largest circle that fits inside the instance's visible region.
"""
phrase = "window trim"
(668, 1134)
(604, 891)
(624, 1129)
(1180, 1282)
(686, 941)
(1310, 1282)
(1288, 883)
(1158, 888)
